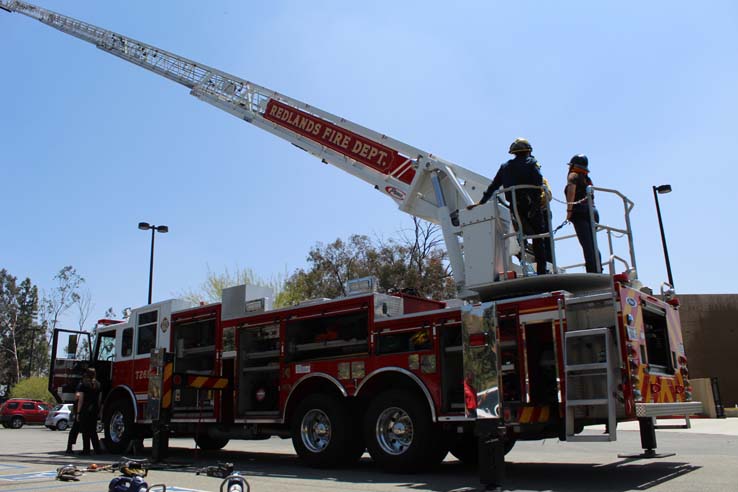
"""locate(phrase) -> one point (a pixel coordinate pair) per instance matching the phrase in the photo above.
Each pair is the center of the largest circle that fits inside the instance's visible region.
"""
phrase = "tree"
(211, 290)
(84, 306)
(35, 388)
(414, 263)
(22, 341)
(56, 302)
(62, 297)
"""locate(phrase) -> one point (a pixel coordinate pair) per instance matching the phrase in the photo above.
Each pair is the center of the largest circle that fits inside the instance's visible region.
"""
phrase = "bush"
(35, 388)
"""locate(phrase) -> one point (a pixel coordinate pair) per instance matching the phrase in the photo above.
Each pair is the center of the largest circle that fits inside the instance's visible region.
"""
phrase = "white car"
(58, 418)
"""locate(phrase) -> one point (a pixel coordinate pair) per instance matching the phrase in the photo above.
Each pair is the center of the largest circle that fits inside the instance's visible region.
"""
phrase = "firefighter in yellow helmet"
(523, 169)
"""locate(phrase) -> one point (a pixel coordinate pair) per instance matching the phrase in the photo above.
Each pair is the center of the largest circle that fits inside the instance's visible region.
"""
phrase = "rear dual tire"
(400, 433)
(322, 433)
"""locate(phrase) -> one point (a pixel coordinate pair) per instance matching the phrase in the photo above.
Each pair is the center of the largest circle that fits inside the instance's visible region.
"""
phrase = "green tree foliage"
(414, 263)
(23, 344)
(211, 290)
(35, 388)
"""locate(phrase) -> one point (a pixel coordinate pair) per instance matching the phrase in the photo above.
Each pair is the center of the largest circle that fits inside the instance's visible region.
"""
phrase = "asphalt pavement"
(706, 460)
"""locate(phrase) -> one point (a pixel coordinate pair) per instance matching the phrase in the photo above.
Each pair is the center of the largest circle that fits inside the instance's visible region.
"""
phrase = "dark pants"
(73, 432)
(88, 425)
(536, 223)
(583, 227)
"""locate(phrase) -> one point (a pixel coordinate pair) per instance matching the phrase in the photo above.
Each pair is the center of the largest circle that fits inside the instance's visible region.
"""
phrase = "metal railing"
(549, 234)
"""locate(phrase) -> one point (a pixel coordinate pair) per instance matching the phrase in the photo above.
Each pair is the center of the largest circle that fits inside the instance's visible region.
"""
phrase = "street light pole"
(657, 190)
(144, 226)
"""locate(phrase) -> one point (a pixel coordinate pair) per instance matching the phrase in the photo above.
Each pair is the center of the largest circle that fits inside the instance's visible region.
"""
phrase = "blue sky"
(92, 145)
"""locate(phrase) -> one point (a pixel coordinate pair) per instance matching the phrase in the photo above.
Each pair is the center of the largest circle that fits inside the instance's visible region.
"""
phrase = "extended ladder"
(421, 184)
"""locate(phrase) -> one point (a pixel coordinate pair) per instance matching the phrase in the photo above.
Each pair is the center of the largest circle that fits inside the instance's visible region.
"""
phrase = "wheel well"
(394, 380)
(121, 393)
(310, 386)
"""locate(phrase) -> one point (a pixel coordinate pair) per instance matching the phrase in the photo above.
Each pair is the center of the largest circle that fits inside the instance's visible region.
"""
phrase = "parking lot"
(706, 460)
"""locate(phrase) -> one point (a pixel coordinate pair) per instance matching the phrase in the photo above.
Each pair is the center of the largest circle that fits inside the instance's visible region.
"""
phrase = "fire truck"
(518, 356)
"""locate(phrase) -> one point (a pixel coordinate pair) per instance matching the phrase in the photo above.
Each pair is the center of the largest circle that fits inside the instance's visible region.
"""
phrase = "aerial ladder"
(421, 183)
(481, 242)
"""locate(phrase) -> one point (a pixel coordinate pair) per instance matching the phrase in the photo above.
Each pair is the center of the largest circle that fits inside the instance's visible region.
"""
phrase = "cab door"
(70, 357)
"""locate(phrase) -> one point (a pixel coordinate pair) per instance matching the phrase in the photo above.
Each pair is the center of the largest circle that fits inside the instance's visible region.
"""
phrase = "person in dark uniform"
(577, 209)
(74, 430)
(524, 169)
(88, 407)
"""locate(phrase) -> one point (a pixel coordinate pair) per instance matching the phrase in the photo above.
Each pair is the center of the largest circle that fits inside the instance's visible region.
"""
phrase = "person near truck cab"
(523, 169)
(578, 211)
(74, 430)
(88, 408)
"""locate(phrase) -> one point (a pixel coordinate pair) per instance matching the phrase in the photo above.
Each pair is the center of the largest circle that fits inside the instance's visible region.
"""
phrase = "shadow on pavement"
(618, 476)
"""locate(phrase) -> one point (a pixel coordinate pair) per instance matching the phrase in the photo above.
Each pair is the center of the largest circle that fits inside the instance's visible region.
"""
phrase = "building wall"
(710, 329)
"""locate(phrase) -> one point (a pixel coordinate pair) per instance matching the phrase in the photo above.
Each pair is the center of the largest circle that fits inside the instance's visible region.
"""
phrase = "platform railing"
(610, 231)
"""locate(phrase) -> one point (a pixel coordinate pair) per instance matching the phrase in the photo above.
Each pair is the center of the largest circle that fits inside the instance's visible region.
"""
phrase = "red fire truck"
(518, 356)
(389, 373)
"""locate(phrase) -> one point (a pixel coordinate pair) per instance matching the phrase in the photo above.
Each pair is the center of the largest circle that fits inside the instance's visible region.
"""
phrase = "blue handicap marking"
(23, 477)
(12, 467)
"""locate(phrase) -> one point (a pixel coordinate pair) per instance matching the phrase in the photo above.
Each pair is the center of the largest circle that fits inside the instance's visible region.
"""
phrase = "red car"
(19, 411)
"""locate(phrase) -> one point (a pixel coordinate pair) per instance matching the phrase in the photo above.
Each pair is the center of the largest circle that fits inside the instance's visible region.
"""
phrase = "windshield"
(106, 345)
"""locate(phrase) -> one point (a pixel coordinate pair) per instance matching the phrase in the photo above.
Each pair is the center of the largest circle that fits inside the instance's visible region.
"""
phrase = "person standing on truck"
(88, 408)
(578, 212)
(523, 169)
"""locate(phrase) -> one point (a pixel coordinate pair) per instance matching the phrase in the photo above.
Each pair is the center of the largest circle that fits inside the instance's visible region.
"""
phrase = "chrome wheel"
(16, 423)
(394, 431)
(315, 430)
(117, 426)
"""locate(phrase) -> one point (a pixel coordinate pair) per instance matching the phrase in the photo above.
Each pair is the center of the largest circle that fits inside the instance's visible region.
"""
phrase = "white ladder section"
(589, 380)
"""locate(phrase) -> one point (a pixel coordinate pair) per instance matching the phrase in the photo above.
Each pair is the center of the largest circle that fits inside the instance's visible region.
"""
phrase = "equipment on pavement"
(221, 470)
(69, 473)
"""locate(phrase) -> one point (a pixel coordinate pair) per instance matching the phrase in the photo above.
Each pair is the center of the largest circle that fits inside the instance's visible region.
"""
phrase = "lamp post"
(660, 190)
(145, 226)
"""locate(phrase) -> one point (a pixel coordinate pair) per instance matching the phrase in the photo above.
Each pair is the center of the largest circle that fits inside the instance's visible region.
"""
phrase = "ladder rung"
(589, 438)
(590, 402)
(591, 298)
(587, 367)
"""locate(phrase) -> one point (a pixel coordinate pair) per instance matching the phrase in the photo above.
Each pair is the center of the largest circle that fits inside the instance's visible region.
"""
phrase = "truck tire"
(16, 422)
(466, 449)
(400, 434)
(207, 443)
(322, 434)
(119, 430)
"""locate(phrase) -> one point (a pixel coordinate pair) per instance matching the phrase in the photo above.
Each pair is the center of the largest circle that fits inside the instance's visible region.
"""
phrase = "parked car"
(59, 417)
(17, 412)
